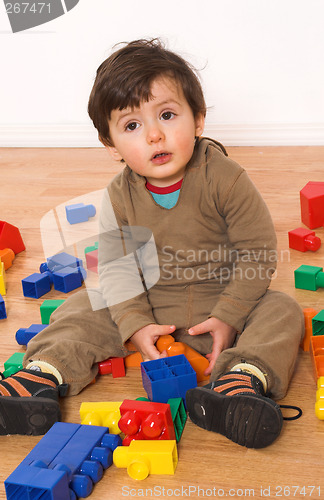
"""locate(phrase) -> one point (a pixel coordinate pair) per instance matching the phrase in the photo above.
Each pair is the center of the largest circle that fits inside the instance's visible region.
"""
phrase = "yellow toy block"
(142, 458)
(2, 279)
(104, 414)
(319, 405)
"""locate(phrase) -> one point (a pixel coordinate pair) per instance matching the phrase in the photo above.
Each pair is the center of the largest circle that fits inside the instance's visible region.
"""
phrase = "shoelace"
(291, 407)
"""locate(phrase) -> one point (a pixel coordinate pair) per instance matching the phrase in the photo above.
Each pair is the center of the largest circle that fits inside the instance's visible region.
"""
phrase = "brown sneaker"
(28, 403)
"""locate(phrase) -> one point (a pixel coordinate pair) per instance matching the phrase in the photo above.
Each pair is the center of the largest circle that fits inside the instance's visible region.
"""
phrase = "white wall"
(261, 64)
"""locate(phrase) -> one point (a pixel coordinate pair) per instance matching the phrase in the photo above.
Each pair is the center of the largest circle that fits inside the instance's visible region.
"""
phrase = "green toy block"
(309, 277)
(179, 416)
(47, 307)
(13, 364)
(178, 412)
(91, 248)
(318, 323)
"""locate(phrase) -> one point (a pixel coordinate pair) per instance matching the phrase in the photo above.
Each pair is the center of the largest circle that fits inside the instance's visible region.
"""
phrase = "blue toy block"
(36, 285)
(65, 463)
(68, 278)
(79, 212)
(167, 378)
(59, 261)
(23, 335)
(3, 312)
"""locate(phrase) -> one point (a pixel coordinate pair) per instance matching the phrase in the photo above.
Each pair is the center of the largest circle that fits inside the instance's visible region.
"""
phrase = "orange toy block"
(7, 256)
(198, 362)
(134, 359)
(309, 313)
(10, 237)
(317, 354)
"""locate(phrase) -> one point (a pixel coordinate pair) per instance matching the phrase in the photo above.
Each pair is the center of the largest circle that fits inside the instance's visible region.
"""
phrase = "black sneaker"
(28, 403)
(235, 405)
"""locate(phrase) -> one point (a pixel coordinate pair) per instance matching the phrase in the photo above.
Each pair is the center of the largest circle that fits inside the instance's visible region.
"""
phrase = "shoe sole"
(27, 415)
(248, 420)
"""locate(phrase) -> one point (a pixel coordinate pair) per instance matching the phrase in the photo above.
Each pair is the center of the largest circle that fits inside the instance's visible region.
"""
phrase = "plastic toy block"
(36, 285)
(13, 364)
(68, 279)
(79, 212)
(167, 378)
(92, 261)
(312, 204)
(303, 239)
(318, 323)
(309, 277)
(2, 279)
(10, 237)
(319, 404)
(59, 261)
(24, 335)
(106, 414)
(116, 366)
(317, 356)
(47, 308)
(145, 420)
(198, 362)
(91, 248)
(132, 360)
(7, 256)
(309, 313)
(70, 459)
(179, 415)
(3, 312)
(142, 458)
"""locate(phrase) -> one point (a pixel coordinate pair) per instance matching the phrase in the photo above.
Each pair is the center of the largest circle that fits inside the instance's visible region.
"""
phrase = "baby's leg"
(77, 338)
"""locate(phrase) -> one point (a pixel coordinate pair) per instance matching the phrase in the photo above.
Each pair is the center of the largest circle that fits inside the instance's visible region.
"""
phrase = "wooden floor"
(33, 182)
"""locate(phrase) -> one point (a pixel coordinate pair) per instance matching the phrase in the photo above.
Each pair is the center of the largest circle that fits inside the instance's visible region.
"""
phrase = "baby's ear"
(200, 124)
(111, 149)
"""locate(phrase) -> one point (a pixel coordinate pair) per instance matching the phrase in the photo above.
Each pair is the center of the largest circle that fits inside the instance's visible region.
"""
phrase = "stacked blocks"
(24, 335)
(3, 312)
(312, 204)
(309, 277)
(115, 366)
(142, 458)
(167, 378)
(92, 261)
(79, 212)
(309, 313)
(65, 464)
(303, 239)
(179, 415)
(106, 414)
(142, 420)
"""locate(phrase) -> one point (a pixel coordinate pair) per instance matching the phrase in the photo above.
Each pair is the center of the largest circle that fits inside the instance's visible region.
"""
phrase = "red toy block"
(145, 420)
(10, 237)
(309, 314)
(312, 204)
(116, 366)
(92, 260)
(303, 239)
(7, 256)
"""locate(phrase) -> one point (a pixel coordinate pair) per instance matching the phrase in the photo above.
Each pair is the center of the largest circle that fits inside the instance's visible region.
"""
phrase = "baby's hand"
(145, 338)
(222, 333)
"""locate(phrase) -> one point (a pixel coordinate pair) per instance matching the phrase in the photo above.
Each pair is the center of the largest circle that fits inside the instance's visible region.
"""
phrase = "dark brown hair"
(126, 77)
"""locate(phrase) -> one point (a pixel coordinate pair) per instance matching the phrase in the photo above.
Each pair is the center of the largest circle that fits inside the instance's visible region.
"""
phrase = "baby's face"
(157, 139)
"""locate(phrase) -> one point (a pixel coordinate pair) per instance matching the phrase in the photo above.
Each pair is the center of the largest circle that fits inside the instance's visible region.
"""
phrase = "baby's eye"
(167, 115)
(131, 126)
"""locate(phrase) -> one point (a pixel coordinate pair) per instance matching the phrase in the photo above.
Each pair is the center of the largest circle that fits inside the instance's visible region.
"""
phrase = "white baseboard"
(84, 135)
